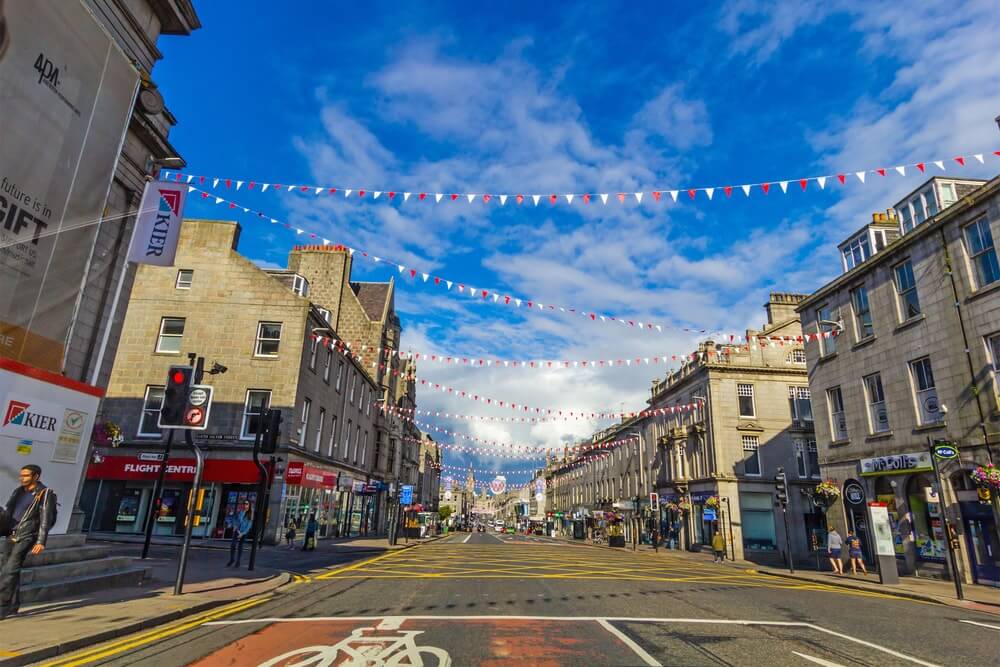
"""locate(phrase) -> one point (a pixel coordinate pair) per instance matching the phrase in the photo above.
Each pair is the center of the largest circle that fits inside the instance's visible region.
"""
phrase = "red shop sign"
(239, 471)
(310, 476)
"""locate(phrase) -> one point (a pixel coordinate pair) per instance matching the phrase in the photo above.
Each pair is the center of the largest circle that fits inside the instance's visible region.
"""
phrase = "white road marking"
(818, 661)
(467, 538)
(391, 622)
(982, 625)
(638, 650)
(595, 619)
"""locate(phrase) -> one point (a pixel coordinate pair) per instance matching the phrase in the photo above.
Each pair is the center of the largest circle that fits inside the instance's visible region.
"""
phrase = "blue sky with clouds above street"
(595, 97)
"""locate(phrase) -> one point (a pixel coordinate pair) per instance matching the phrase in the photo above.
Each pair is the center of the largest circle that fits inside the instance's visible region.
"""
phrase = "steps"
(69, 566)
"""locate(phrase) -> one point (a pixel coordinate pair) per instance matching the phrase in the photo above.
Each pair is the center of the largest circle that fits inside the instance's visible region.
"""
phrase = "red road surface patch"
(488, 643)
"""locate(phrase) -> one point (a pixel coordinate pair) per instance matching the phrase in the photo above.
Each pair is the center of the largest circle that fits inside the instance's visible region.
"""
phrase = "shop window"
(928, 524)
(151, 404)
(925, 392)
(757, 512)
(744, 393)
(184, 279)
(751, 452)
(906, 290)
(864, 328)
(268, 339)
(256, 401)
(982, 253)
(171, 335)
(800, 404)
(838, 420)
(878, 415)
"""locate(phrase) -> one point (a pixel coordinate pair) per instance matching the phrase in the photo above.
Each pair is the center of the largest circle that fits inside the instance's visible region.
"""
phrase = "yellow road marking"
(332, 573)
(92, 655)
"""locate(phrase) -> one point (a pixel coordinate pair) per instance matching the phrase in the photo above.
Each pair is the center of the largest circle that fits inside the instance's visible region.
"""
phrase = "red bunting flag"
(921, 167)
(765, 187)
(804, 182)
(728, 190)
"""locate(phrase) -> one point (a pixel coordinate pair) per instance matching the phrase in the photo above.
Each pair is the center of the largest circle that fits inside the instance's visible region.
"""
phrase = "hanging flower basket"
(108, 433)
(713, 502)
(987, 476)
(680, 507)
(827, 492)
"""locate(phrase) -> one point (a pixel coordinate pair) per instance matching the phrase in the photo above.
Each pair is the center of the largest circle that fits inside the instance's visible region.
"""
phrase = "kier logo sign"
(18, 414)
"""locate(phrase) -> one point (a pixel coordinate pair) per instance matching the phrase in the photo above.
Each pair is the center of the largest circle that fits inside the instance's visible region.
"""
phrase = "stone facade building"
(915, 362)
(429, 474)
(265, 328)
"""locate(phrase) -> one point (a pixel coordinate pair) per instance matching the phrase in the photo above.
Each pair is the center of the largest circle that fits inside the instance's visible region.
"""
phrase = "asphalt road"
(480, 599)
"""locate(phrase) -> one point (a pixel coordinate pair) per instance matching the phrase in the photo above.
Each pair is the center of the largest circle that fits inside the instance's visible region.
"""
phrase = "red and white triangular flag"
(860, 175)
(604, 198)
(673, 195)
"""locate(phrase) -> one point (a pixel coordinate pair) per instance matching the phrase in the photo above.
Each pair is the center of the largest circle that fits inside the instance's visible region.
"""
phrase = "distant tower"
(470, 481)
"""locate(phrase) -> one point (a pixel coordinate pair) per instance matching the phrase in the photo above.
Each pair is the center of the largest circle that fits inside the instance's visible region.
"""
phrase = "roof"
(922, 186)
(372, 297)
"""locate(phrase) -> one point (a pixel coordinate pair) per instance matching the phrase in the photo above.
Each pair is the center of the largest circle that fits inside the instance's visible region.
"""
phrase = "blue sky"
(595, 97)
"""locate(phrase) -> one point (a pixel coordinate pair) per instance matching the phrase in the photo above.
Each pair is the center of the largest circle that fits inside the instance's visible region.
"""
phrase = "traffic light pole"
(261, 481)
(192, 508)
(788, 539)
(154, 499)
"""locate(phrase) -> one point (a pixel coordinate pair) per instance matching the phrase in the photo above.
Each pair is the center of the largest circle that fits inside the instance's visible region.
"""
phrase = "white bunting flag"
(472, 290)
(979, 156)
(638, 197)
(503, 199)
(326, 241)
(535, 199)
(448, 283)
(299, 231)
(673, 195)
(860, 175)
(376, 194)
(218, 200)
(406, 196)
(347, 193)
(215, 183)
(273, 221)
(246, 210)
(517, 302)
(901, 170)
(401, 267)
(939, 164)
(569, 199)
(746, 189)
(496, 297)
(471, 198)
(290, 188)
(784, 186)
(264, 187)
(709, 192)
(822, 181)
(239, 184)
(426, 276)
(437, 197)
(604, 199)
(191, 188)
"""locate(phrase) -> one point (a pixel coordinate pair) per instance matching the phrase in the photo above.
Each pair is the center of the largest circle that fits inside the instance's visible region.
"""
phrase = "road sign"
(406, 494)
(198, 396)
(854, 493)
(709, 514)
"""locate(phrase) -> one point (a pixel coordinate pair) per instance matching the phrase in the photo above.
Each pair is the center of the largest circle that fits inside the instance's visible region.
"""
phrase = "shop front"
(311, 491)
(118, 492)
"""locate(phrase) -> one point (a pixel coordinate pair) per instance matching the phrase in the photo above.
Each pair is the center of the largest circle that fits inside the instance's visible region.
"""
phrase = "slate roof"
(372, 297)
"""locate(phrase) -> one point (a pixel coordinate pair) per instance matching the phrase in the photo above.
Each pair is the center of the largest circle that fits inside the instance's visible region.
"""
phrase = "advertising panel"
(66, 94)
(158, 224)
(45, 419)
(896, 464)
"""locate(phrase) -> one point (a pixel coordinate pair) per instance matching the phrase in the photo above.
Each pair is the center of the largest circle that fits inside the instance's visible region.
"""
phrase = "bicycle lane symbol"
(366, 648)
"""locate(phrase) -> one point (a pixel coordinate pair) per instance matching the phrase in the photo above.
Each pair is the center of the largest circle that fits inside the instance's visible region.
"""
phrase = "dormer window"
(856, 251)
(324, 313)
(300, 286)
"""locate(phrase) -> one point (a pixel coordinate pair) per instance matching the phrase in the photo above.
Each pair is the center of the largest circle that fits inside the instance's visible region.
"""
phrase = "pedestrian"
(719, 546)
(309, 543)
(656, 540)
(31, 513)
(290, 533)
(854, 552)
(834, 544)
(242, 523)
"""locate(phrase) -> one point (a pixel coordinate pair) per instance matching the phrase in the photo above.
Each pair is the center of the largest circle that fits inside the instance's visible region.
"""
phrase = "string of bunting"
(562, 414)
(365, 193)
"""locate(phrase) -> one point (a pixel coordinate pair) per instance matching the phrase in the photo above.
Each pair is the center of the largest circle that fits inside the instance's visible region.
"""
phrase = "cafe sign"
(896, 464)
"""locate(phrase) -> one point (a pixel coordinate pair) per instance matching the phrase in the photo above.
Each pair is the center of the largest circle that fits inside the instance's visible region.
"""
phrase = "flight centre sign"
(66, 95)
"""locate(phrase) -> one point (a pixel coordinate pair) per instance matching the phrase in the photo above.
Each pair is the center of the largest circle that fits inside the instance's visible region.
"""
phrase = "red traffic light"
(177, 377)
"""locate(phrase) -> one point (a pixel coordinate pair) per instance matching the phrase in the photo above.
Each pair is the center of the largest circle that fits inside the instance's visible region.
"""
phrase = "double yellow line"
(135, 641)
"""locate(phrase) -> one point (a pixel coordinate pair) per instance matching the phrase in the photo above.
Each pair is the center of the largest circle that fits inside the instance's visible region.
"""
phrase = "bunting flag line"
(400, 197)
(521, 471)
(567, 414)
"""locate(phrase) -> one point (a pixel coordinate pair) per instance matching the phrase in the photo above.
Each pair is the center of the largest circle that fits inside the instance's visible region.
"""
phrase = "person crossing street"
(31, 510)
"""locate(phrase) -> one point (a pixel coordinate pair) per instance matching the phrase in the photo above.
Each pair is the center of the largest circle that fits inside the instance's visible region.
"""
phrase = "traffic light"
(781, 486)
(271, 425)
(175, 396)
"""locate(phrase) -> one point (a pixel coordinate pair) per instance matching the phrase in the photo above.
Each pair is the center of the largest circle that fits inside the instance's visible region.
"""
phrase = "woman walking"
(241, 528)
(854, 551)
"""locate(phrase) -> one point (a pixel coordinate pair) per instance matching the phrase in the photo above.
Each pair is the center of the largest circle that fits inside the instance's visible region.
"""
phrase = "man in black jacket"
(32, 511)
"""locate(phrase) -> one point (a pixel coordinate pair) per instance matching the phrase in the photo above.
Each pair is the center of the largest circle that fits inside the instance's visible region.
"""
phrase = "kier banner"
(66, 94)
(158, 224)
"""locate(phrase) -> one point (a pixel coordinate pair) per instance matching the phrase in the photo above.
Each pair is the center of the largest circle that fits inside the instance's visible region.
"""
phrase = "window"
(929, 202)
(947, 191)
(797, 356)
(807, 458)
(357, 442)
(862, 313)
(838, 421)
(151, 404)
(364, 449)
(312, 355)
(983, 255)
(326, 366)
(906, 218)
(801, 405)
(300, 286)
(856, 251)
(184, 279)
(928, 408)
(340, 373)
(319, 429)
(171, 333)
(368, 409)
(347, 438)
(919, 215)
(332, 442)
(324, 313)
(257, 400)
(826, 323)
(757, 514)
(354, 378)
(268, 339)
(744, 393)
(906, 288)
(304, 421)
(993, 350)
(877, 414)
(751, 464)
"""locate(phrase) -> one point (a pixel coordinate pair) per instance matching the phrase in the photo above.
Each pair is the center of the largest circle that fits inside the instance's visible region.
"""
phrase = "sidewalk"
(977, 598)
(57, 627)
